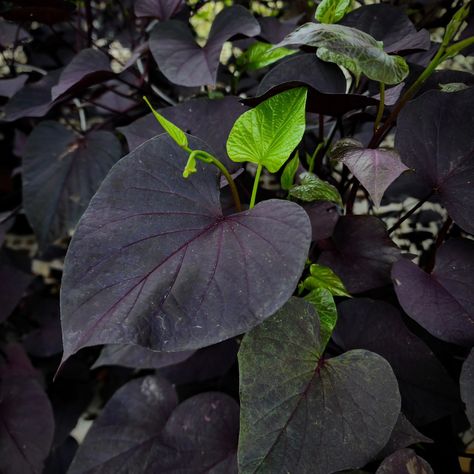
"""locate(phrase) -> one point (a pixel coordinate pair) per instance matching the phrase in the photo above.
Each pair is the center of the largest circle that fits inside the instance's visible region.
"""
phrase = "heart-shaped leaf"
(332, 11)
(428, 392)
(376, 169)
(300, 413)
(404, 461)
(441, 301)
(434, 137)
(360, 252)
(161, 9)
(351, 48)
(467, 385)
(156, 250)
(141, 429)
(26, 417)
(313, 189)
(268, 134)
(88, 67)
(61, 172)
(186, 63)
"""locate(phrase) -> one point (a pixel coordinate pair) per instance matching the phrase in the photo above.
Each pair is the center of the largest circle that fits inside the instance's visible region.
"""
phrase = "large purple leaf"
(26, 418)
(301, 413)
(404, 461)
(161, 9)
(137, 357)
(61, 172)
(434, 137)
(209, 120)
(467, 385)
(9, 87)
(154, 261)
(88, 67)
(360, 252)
(325, 82)
(389, 25)
(428, 393)
(186, 63)
(441, 301)
(142, 430)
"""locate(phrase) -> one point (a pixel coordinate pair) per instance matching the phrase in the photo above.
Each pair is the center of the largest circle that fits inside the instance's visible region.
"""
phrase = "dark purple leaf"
(389, 25)
(434, 137)
(137, 357)
(11, 34)
(404, 434)
(14, 283)
(89, 66)
(303, 414)
(360, 252)
(61, 457)
(61, 172)
(186, 63)
(325, 82)
(139, 431)
(207, 363)
(155, 250)
(273, 30)
(392, 95)
(161, 9)
(9, 87)
(404, 461)
(33, 100)
(323, 216)
(467, 386)
(42, 11)
(26, 418)
(428, 393)
(209, 120)
(376, 169)
(441, 301)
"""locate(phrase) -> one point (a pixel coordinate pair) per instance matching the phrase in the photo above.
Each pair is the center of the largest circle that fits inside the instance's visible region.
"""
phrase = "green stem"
(313, 157)
(255, 186)
(380, 110)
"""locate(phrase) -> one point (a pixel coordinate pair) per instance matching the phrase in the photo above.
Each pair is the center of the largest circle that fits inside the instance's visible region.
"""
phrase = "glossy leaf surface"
(442, 301)
(268, 134)
(313, 189)
(302, 414)
(61, 172)
(442, 150)
(155, 250)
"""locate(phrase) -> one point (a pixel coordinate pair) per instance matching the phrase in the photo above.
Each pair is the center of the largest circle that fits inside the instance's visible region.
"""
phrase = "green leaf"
(331, 11)
(323, 301)
(324, 277)
(289, 171)
(453, 87)
(260, 55)
(173, 131)
(302, 414)
(190, 167)
(455, 24)
(359, 52)
(314, 189)
(268, 133)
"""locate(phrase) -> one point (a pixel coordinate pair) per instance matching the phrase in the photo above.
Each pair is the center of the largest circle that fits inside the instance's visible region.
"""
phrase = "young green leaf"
(289, 171)
(324, 277)
(357, 51)
(190, 167)
(455, 24)
(260, 55)
(331, 11)
(267, 134)
(314, 189)
(323, 301)
(173, 131)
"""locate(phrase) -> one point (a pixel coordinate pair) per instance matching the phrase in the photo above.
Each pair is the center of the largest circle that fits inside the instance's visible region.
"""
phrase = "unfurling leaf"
(314, 189)
(331, 11)
(324, 277)
(289, 171)
(267, 134)
(351, 48)
(260, 55)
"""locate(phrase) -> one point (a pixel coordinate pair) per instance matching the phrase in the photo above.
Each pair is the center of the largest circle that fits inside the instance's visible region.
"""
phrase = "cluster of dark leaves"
(165, 277)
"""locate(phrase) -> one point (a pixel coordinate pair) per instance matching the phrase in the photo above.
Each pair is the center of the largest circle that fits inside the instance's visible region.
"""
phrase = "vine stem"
(255, 186)
(381, 107)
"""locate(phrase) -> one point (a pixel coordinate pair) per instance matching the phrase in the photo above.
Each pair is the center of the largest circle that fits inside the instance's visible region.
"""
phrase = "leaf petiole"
(255, 185)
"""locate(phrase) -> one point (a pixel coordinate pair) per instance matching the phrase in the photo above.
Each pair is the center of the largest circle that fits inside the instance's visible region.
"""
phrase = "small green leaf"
(323, 301)
(314, 189)
(260, 55)
(288, 175)
(455, 24)
(190, 167)
(268, 133)
(453, 87)
(331, 11)
(173, 131)
(359, 52)
(324, 277)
